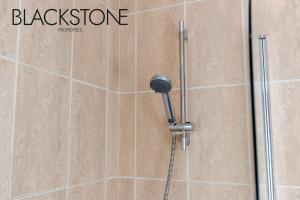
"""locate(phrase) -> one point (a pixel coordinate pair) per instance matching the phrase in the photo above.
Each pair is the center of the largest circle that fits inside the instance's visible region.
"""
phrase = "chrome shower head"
(161, 83)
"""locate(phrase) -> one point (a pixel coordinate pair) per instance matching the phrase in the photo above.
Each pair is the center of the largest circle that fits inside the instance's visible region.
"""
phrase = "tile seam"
(70, 114)
(45, 192)
(12, 139)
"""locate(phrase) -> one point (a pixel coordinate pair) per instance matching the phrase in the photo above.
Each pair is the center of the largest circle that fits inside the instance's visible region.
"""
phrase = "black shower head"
(161, 83)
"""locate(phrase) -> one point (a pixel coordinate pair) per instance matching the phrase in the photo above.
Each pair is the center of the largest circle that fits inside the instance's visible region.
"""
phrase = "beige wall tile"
(114, 5)
(288, 193)
(112, 135)
(87, 192)
(6, 98)
(220, 192)
(154, 138)
(113, 57)
(219, 148)
(215, 47)
(263, 192)
(44, 46)
(279, 20)
(127, 56)
(87, 134)
(158, 45)
(40, 149)
(149, 190)
(126, 189)
(285, 111)
(51, 196)
(8, 32)
(127, 135)
(112, 189)
(128, 4)
(90, 51)
(148, 4)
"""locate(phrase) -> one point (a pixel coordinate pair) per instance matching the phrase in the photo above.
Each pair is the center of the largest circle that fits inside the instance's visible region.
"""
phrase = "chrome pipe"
(169, 108)
(182, 39)
(266, 115)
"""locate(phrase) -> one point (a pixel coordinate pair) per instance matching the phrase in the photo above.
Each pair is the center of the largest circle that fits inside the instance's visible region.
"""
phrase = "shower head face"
(161, 83)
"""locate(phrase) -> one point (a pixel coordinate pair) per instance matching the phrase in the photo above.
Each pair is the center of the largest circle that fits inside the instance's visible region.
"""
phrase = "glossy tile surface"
(51, 196)
(149, 190)
(282, 28)
(7, 71)
(112, 135)
(220, 139)
(220, 192)
(8, 32)
(285, 120)
(215, 47)
(157, 45)
(126, 189)
(89, 192)
(150, 4)
(127, 135)
(45, 46)
(127, 56)
(87, 152)
(40, 147)
(90, 51)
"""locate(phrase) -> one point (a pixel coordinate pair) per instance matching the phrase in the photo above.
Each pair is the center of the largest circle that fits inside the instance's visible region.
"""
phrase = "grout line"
(107, 7)
(90, 84)
(283, 81)
(70, 113)
(195, 1)
(106, 111)
(189, 88)
(150, 178)
(155, 9)
(9, 191)
(211, 86)
(136, 12)
(288, 186)
(217, 86)
(119, 103)
(70, 78)
(40, 193)
(183, 180)
(135, 98)
(45, 70)
(149, 91)
(220, 183)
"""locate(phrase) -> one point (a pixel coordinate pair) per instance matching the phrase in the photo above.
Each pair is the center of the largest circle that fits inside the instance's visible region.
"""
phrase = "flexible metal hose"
(171, 166)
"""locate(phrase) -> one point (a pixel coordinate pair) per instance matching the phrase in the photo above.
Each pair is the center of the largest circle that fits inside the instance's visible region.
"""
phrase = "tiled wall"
(219, 162)
(279, 21)
(58, 108)
(80, 122)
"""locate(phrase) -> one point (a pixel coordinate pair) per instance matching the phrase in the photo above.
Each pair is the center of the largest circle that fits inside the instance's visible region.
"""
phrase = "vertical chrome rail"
(182, 39)
(266, 115)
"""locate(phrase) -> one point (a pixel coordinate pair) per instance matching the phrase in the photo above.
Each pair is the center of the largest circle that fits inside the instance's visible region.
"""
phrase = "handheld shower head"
(162, 84)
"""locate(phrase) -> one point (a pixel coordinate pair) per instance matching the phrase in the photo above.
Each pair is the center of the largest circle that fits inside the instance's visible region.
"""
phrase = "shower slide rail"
(266, 115)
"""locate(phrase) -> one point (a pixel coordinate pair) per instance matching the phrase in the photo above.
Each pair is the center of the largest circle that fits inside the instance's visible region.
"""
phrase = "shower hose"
(171, 166)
